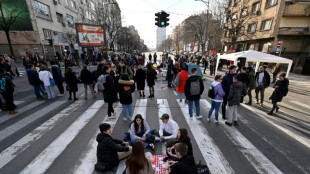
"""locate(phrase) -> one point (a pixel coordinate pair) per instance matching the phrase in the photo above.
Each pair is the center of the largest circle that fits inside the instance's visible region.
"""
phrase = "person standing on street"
(218, 99)
(72, 81)
(280, 90)
(250, 83)
(56, 72)
(237, 90)
(226, 83)
(155, 58)
(212, 65)
(205, 64)
(262, 80)
(150, 78)
(150, 58)
(109, 92)
(45, 77)
(87, 80)
(193, 89)
(124, 69)
(7, 90)
(180, 89)
(169, 76)
(125, 88)
(140, 79)
(275, 71)
(33, 78)
(244, 79)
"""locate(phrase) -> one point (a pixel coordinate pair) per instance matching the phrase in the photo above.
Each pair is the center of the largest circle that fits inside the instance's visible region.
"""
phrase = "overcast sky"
(141, 14)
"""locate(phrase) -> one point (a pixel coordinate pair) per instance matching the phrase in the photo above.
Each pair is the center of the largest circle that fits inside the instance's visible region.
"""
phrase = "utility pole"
(205, 32)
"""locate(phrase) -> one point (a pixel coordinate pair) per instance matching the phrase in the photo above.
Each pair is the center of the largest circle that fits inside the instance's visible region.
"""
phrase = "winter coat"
(140, 79)
(109, 92)
(188, 85)
(187, 141)
(266, 79)
(45, 77)
(219, 92)
(125, 88)
(185, 164)
(86, 76)
(107, 149)
(183, 77)
(244, 78)
(27, 62)
(227, 82)
(251, 80)
(33, 77)
(56, 71)
(237, 90)
(150, 77)
(9, 86)
(100, 69)
(72, 81)
(280, 91)
(125, 70)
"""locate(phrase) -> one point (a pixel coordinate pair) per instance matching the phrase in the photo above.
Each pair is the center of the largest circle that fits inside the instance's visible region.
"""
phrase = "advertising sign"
(90, 35)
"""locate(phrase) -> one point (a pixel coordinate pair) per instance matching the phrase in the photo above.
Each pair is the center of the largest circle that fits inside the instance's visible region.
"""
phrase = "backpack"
(101, 81)
(177, 81)
(211, 92)
(195, 87)
(2, 84)
(202, 169)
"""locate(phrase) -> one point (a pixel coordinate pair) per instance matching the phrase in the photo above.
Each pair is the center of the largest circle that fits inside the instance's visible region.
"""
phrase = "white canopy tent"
(255, 56)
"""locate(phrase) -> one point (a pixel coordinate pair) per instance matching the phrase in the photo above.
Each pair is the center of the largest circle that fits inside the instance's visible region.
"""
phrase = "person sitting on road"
(140, 130)
(137, 162)
(185, 164)
(109, 150)
(168, 130)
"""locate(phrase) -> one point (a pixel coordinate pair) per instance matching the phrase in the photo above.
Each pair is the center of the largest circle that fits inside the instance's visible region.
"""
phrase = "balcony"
(294, 31)
(297, 10)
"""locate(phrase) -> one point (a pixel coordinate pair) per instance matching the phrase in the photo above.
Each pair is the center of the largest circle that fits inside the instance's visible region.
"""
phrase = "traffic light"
(50, 42)
(165, 19)
(157, 19)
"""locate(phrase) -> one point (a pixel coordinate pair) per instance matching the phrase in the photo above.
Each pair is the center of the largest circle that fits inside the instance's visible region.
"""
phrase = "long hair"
(137, 160)
(149, 67)
(136, 124)
(183, 135)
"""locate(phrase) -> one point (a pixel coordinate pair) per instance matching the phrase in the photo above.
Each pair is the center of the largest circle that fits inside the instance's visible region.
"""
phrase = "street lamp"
(205, 32)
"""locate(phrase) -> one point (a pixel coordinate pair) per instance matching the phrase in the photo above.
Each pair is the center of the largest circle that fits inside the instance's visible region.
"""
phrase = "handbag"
(52, 82)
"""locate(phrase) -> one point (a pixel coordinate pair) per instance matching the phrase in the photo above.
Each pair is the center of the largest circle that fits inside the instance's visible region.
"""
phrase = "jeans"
(224, 106)
(232, 113)
(181, 95)
(261, 90)
(250, 95)
(274, 106)
(148, 136)
(50, 92)
(37, 90)
(215, 105)
(125, 108)
(110, 108)
(190, 107)
(90, 88)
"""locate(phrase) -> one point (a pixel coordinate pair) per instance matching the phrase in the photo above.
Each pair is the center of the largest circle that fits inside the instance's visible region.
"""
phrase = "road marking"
(43, 161)
(257, 159)
(21, 111)
(140, 108)
(15, 149)
(18, 102)
(163, 108)
(300, 104)
(210, 152)
(175, 93)
(286, 129)
(27, 120)
(89, 159)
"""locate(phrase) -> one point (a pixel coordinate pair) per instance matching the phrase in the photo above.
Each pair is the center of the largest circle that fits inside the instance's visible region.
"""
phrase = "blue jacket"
(227, 82)
(57, 76)
(33, 77)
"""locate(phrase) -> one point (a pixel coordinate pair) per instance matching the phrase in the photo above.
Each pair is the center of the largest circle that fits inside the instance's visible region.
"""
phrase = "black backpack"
(211, 92)
(202, 169)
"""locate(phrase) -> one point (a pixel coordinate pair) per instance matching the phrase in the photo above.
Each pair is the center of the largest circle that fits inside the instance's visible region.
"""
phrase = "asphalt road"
(58, 136)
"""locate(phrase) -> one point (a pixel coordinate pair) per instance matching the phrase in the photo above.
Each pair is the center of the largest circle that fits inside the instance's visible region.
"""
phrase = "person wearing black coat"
(244, 79)
(125, 88)
(110, 151)
(193, 98)
(280, 90)
(226, 83)
(140, 79)
(57, 75)
(33, 78)
(7, 92)
(109, 92)
(262, 79)
(150, 78)
(86, 78)
(169, 76)
(72, 81)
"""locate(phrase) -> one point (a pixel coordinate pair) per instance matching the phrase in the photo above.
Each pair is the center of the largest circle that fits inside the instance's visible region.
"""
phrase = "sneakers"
(227, 123)
(208, 119)
(114, 114)
(191, 118)
(125, 119)
(157, 139)
(199, 117)
(216, 121)
(60, 95)
(277, 109)
(261, 104)
(235, 123)
(152, 146)
(75, 99)
(270, 113)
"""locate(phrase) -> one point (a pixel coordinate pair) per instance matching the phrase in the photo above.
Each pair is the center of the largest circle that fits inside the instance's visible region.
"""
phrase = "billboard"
(17, 8)
(90, 35)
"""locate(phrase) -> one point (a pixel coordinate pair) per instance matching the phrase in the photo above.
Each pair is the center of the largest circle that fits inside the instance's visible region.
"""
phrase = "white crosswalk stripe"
(42, 162)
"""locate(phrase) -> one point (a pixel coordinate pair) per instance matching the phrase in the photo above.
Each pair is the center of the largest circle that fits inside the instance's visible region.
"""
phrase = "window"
(67, 3)
(59, 17)
(92, 5)
(42, 10)
(244, 12)
(47, 33)
(234, 16)
(73, 4)
(266, 24)
(81, 13)
(252, 28)
(70, 20)
(256, 7)
(240, 30)
(270, 3)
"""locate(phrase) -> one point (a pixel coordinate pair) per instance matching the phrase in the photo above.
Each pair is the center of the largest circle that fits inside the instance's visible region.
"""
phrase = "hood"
(215, 83)
(126, 82)
(44, 72)
(101, 136)
(238, 85)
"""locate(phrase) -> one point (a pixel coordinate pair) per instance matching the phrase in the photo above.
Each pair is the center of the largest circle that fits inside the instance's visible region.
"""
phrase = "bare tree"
(9, 17)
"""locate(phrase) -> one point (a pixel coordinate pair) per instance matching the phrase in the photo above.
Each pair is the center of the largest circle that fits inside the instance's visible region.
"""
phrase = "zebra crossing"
(211, 153)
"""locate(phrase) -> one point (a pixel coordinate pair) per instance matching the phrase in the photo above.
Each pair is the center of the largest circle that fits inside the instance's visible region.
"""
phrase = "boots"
(270, 113)
(12, 112)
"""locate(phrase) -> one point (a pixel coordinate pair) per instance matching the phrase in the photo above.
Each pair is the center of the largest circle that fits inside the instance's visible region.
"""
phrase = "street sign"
(279, 44)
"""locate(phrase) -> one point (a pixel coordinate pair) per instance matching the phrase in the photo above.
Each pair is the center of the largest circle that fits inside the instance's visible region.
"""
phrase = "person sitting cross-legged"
(168, 130)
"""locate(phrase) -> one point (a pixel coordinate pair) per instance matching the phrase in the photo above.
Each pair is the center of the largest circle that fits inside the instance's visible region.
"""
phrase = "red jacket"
(183, 78)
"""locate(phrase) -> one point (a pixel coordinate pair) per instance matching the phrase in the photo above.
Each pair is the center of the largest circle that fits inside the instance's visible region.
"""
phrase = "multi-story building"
(160, 36)
(55, 19)
(262, 24)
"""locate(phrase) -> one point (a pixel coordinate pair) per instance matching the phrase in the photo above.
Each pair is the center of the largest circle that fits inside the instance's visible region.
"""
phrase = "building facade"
(55, 20)
(263, 24)
(160, 36)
